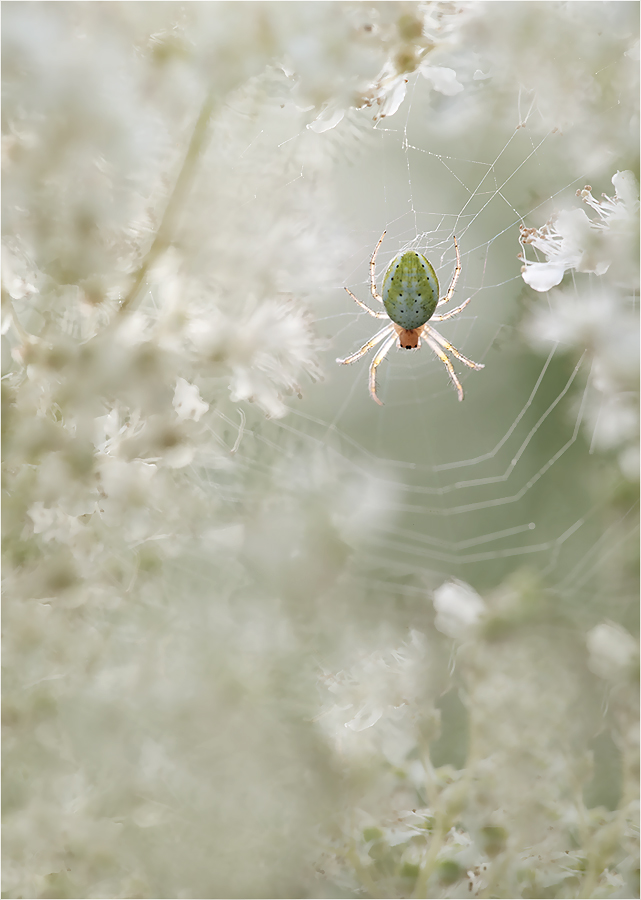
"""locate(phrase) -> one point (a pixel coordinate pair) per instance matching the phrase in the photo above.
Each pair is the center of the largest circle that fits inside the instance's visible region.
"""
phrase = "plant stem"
(420, 889)
(183, 182)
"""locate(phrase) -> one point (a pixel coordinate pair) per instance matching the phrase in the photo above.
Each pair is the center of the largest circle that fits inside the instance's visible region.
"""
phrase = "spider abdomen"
(410, 290)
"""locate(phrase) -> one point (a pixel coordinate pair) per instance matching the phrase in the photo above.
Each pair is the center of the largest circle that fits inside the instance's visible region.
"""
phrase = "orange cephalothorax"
(408, 338)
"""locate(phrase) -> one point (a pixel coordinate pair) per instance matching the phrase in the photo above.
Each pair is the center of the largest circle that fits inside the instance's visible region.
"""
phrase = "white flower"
(630, 462)
(612, 649)
(543, 276)
(571, 240)
(327, 119)
(561, 240)
(126, 482)
(442, 79)
(391, 95)
(458, 609)
(365, 718)
(15, 276)
(187, 401)
(600, 320)
(53, 523)
(580, 321)
(373, 702)
(623, 207)
(387, 91)
(271, 349)
(615, 421)
(134, 329)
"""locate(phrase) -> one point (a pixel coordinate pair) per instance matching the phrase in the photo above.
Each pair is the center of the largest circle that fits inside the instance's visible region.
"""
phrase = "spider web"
(472, 490)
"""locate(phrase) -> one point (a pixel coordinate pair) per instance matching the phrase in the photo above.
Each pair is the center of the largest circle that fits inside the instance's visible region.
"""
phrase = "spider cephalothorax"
(408, 338)
(410, 295)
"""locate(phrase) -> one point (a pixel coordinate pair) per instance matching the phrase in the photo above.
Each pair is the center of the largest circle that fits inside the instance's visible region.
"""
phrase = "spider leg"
(448, 365)
(452, 312)
(380, 356)
(372, 267)
(457, 272)
(377, 315)
(378, 337)
(447, 346)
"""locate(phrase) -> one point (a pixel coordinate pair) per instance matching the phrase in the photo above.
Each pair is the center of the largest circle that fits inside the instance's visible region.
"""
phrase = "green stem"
(183, 182)
(420, 889)
(362, 872)
(590, 878)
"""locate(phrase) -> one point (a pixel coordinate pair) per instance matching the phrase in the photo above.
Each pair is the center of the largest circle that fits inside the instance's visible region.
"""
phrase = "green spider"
(410, 296)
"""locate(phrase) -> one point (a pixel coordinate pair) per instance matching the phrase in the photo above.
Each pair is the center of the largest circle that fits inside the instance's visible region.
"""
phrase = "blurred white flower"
(630, 462)
(327, 119)
(612, 649)
(599, 320)
(600, 316)
(365, 718)
(268, 351)
(107, 429)
(187, 401)
(596, 318)
(53, 523)
(614, 422)
(375, 700)
(126, 482)
(406, 39)
(443, 80)
(16, 277)
(459, 609)
(134, 329)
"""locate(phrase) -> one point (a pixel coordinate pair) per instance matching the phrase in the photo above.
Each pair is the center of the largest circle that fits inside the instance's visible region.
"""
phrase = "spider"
(410, 296)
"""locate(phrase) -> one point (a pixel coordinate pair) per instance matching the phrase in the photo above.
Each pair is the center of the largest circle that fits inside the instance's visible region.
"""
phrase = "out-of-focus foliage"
(209, 688)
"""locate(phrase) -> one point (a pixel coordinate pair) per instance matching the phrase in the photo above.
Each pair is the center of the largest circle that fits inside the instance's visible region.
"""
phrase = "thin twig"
(163, 236)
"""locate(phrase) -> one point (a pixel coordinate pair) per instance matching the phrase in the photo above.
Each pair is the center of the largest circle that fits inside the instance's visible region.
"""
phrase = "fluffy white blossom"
(412, 41)
(600, 316)
(373, 702)
(612, 650)
(187, 401)
(443, 79)
(459, 609)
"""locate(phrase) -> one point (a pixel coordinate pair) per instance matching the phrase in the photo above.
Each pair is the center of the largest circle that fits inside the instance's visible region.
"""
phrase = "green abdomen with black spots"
(410, 290)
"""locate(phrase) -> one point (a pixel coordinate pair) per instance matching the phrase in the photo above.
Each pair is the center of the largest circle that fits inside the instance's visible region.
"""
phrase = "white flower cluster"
(162, 246)
(572, 240)
(587, 96)
(601, 315)
(413, 40)
(372, 702)
(507, 819)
